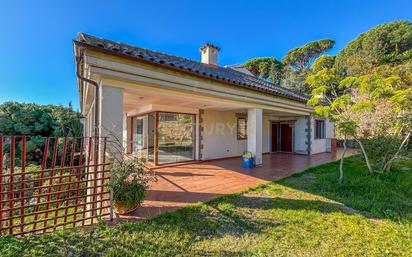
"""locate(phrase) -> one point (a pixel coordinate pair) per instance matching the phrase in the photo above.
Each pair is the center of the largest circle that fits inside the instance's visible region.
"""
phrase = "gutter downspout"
(97, 149)
(79, 60)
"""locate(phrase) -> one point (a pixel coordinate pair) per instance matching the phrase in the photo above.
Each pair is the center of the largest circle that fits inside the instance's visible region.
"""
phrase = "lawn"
(307, 214)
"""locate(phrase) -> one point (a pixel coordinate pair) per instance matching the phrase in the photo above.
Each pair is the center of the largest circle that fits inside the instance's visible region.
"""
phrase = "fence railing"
(50, 182)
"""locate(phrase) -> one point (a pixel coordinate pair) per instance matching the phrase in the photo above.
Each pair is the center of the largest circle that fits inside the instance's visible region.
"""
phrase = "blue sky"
(36, 54)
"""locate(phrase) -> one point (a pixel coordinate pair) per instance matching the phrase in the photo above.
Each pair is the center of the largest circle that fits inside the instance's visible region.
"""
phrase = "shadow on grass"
(382, 195)
(263, 203)
(229, 212)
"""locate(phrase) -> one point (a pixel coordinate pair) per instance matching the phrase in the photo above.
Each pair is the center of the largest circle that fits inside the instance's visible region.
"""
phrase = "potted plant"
(129, 181)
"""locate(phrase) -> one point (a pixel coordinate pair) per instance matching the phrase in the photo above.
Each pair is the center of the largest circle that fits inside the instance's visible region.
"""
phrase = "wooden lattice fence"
(61, 183)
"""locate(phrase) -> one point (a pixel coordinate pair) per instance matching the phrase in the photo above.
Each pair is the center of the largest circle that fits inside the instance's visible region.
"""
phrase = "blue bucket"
(248, 163)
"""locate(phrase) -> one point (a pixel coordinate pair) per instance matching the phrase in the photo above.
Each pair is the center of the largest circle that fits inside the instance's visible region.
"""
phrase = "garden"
(306, 214)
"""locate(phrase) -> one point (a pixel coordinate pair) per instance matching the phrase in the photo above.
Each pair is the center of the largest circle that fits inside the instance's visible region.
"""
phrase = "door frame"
(279, 136)
(155, 161)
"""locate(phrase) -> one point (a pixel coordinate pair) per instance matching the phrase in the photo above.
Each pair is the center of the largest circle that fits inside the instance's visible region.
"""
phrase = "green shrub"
(128, 192)
(129, 180)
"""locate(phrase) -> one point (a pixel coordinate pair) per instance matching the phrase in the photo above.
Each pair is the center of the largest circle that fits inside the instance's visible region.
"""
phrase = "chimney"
(209, 54)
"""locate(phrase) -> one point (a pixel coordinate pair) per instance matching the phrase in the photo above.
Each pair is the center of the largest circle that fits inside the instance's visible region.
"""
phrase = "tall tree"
(300, 58)
(386, 121)
(332, 98)
(386, 43)
(375, 109)
(267, 68)
(297, 63)
(322, 62)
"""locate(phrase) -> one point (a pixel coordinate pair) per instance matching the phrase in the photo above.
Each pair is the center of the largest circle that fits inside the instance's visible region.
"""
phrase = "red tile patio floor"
(184, 184)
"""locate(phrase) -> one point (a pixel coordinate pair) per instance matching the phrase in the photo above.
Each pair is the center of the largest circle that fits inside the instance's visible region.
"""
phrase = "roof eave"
(164, 65)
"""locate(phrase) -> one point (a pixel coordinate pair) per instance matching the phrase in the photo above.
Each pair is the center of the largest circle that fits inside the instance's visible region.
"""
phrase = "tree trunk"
(341, 177)
(365, 155)
(388, 164)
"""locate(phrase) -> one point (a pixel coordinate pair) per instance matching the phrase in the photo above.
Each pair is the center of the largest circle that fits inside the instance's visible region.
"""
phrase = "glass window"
(319, 129)
(139, 140)
(241, 128)
(176, 137)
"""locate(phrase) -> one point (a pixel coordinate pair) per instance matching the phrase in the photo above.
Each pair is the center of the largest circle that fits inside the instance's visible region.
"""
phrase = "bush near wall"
(37, 122)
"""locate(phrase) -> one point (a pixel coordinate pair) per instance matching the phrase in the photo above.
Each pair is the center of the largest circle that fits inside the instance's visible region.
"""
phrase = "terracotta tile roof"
(219, 73)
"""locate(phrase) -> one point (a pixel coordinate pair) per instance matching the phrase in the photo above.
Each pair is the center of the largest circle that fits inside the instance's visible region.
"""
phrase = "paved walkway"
(184, 184)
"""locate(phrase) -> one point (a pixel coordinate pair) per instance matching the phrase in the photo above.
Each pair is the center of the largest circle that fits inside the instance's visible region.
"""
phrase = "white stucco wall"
(301, 136)
(266, 134)
(220, 139)
(330, 129)
(219, 135)
(322, 145)
(111, 114)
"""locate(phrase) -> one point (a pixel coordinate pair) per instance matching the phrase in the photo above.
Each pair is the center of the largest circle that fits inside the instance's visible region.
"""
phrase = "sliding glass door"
(176, 137)
(165, 137)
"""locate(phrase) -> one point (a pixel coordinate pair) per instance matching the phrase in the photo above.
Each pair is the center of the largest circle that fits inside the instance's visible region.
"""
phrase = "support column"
(110, 126)
(254, 133)
(111, 117)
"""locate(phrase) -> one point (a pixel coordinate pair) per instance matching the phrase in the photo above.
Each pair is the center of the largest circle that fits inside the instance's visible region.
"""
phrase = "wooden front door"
(286, 137)
(275, 129)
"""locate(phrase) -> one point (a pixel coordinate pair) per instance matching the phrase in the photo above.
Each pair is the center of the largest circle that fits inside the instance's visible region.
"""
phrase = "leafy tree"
(386, 98)
(322, 62)
(267, 68)
(295, 81)
(297, 63)
(300, 58)
(25, 119)
(367, 91)
(332, 99)
(374, 108)
(37, 122)
(67, 121)
(386, 43)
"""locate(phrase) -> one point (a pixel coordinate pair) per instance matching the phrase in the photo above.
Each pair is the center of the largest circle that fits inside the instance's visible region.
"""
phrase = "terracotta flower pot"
(122, 208)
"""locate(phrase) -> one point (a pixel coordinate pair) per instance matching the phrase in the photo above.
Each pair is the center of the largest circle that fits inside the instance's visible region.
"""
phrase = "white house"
(174, 109)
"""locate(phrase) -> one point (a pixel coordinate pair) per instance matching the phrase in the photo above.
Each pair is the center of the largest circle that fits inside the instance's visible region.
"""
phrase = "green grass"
(308, 214)
(382, 195)
(53, 219)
